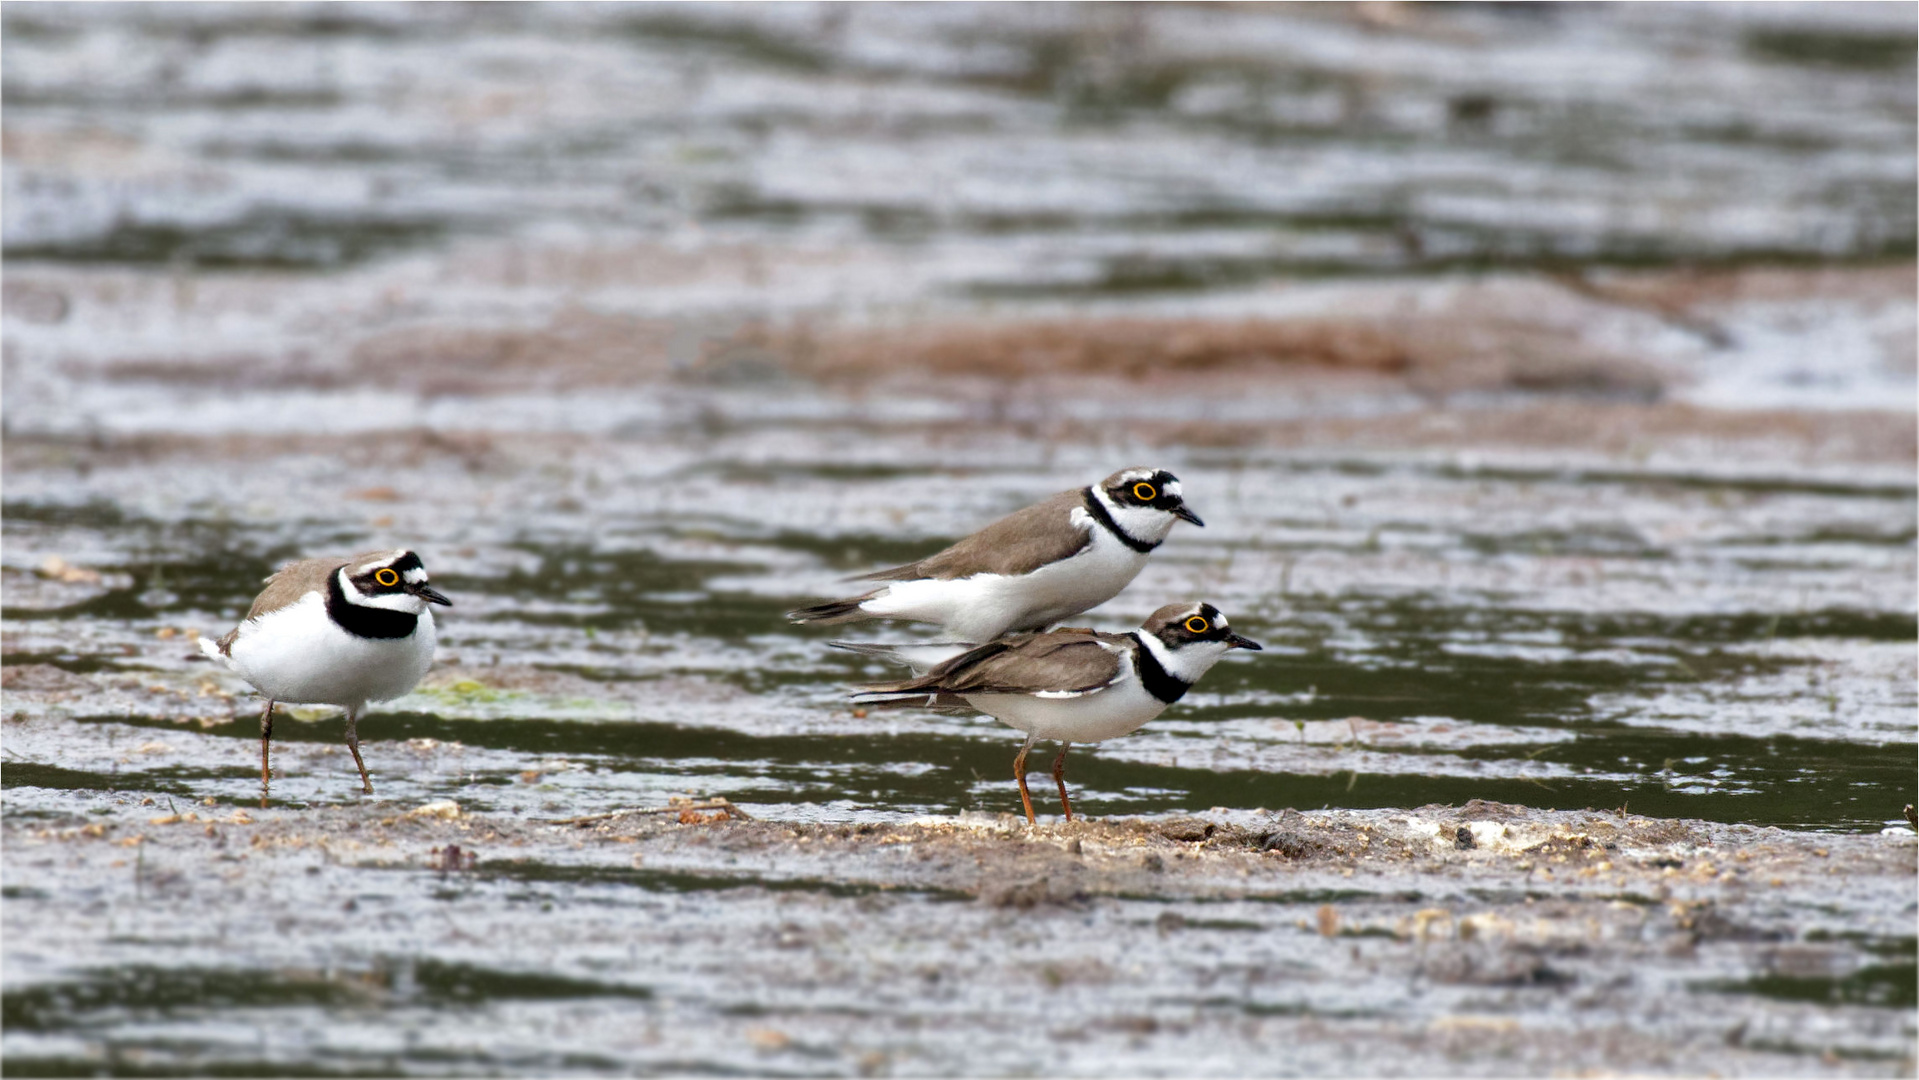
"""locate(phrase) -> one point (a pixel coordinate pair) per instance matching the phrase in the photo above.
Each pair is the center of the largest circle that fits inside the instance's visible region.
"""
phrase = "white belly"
(986, 606)
(1091, 717)
(298, 655)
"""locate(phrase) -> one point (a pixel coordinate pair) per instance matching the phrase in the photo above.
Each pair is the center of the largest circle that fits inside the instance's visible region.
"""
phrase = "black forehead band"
(400, 566)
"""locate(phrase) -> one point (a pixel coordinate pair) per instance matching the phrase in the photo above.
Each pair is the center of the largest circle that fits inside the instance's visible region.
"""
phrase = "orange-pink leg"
(1059, 778)
(1019, 773)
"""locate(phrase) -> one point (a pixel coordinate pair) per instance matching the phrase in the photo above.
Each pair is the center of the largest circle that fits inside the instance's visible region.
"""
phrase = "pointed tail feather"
(832, 611)
(885, 698)
(902, 698)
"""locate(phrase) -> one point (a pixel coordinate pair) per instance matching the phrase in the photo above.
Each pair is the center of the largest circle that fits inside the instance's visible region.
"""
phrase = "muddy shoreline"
(1487, 938)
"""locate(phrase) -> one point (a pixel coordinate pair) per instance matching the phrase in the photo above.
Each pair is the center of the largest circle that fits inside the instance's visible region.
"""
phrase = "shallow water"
(1084, 151)
(1735, 651)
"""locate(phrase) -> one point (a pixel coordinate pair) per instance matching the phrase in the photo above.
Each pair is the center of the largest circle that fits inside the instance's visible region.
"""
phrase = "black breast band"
(1154, 676)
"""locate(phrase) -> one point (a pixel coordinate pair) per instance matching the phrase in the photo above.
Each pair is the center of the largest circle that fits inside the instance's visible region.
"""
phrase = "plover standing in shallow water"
(1074, 685)
(332, 631)
(1030, 569)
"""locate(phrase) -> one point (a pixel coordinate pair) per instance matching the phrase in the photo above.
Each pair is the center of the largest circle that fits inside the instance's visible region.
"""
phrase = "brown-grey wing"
(292, 581)
(1068, 661)
(1019, 543)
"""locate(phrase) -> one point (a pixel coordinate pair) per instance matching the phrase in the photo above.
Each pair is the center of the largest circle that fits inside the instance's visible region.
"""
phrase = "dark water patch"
(627, 587)
(94, 513)
(578, 570)
(1263, 1009)
(1415, 626)
(1744, 134)
(736, 41)
(189, 1058)
(113, 997)
(1794, 799)
(1895, 946)
(1282, 898)
(28, 28)
(294, 26)
(1230, 926)
(33, 774)
(1617, 542)
(859, 553)
(899, 221)
(1879, 985)
(714, 616)
(671, 881)
(198, 582)
(1860, 535)
(1838, 1053)
(139, 100)
(261, 238)
(339, 153)
(888, 221)
(77, 663)
(1405, 253)
(1827, 47)
(1776, 780)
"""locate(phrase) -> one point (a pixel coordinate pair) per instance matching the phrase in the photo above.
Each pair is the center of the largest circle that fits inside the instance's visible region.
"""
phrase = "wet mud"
(1483, 938)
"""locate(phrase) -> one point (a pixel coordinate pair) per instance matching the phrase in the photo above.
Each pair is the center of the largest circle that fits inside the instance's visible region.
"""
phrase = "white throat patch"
(1146, 524)
(1188, 662)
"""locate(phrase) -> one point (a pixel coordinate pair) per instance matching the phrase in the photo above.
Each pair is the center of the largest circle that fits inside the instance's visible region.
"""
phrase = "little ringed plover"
(332, 631)
(1074, 685)
(1030, 569)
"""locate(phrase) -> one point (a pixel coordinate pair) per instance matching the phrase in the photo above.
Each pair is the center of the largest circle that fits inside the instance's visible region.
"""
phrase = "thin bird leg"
(353, 744)
(1059, 778)
(1019, 773)
(266, 741)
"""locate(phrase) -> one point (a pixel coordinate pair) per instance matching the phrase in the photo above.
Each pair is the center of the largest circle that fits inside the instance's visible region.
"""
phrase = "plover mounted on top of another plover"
(1030, 569)
(1074, 685)
(332, 631)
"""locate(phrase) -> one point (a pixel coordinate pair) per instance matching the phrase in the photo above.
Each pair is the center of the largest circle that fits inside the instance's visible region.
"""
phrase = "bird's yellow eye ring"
(386, 577)
(1145, 492)
(1197, 624)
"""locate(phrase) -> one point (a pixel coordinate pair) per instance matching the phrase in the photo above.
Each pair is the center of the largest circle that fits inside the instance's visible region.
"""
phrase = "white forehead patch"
(1199, 611)
(415, 575)
(383, 560)
(1171, 488)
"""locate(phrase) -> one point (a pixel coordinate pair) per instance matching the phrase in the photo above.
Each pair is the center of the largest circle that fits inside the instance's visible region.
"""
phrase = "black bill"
(429, 594)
